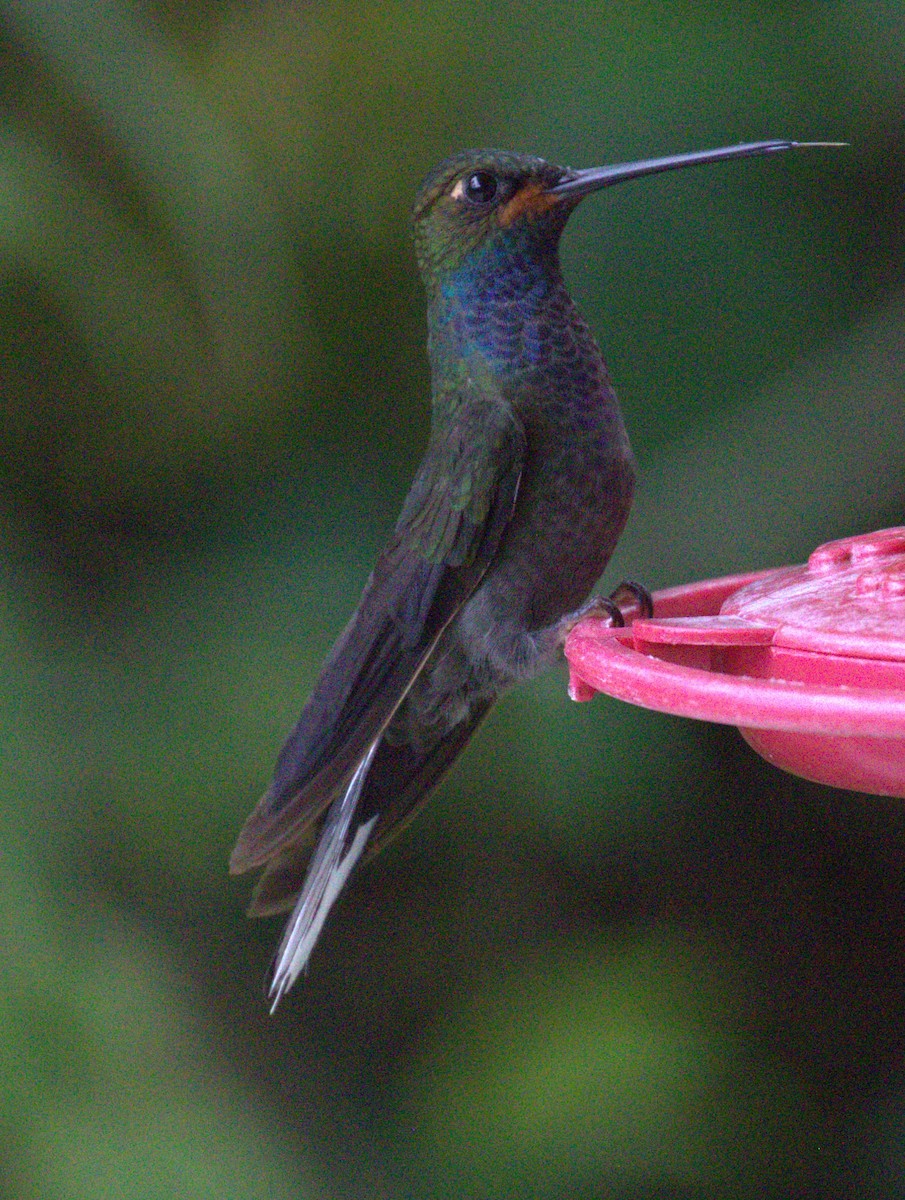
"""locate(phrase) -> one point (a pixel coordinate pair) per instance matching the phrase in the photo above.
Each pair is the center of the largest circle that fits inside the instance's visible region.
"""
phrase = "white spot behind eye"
(458, 192)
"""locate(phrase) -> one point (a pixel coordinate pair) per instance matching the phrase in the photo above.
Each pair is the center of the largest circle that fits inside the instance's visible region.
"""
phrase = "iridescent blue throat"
(495, 304)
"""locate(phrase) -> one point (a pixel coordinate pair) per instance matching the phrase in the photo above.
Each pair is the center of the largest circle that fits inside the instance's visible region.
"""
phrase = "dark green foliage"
(617, 956)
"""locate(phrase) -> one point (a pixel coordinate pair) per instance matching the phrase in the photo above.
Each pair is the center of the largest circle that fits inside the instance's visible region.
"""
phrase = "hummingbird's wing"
(450, 527)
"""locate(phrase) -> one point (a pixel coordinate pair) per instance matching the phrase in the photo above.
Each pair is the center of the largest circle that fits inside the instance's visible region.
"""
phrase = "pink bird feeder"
(808, 662)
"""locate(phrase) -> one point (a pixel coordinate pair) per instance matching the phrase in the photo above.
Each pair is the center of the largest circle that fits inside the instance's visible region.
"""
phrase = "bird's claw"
(600, 606)
(633, 595)
(628, 595)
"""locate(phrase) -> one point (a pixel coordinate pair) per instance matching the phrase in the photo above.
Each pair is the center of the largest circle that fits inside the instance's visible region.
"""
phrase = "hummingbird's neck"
(494, 307)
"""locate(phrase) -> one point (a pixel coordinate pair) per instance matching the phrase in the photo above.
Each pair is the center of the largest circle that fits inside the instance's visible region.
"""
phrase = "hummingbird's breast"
(575, 491)
(509, 328)
(573, 501)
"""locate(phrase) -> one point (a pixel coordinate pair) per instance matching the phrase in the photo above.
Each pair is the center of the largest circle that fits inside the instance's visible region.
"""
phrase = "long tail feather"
(330, 867)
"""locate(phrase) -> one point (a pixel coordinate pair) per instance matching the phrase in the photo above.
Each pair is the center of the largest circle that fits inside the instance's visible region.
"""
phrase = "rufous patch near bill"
(530, 200)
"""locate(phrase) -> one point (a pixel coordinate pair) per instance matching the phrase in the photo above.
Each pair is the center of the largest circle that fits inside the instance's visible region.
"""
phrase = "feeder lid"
(848, 600)
(808, 661)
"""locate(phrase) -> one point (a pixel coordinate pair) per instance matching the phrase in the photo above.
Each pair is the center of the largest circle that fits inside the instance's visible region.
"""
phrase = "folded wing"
(450, 527)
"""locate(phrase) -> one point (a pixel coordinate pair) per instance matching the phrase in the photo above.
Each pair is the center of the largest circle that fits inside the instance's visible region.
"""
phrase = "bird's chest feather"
(513, 331)
(573, 502)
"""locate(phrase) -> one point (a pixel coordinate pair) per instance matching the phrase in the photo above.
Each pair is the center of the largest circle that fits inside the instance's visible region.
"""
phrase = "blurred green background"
(618, 956)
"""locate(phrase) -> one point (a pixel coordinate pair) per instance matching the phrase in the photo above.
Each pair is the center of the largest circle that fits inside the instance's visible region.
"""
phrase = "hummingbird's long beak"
(580, 183)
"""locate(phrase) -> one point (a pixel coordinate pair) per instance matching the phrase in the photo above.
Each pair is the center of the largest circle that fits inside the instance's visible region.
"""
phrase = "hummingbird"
(513, 514)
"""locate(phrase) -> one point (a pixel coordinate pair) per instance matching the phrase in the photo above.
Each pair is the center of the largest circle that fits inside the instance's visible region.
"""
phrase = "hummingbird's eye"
(478, 188)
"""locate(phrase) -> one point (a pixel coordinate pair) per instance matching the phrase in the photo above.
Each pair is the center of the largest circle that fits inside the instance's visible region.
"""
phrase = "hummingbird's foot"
(629, 600)
(633, 595)
(596, 606)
